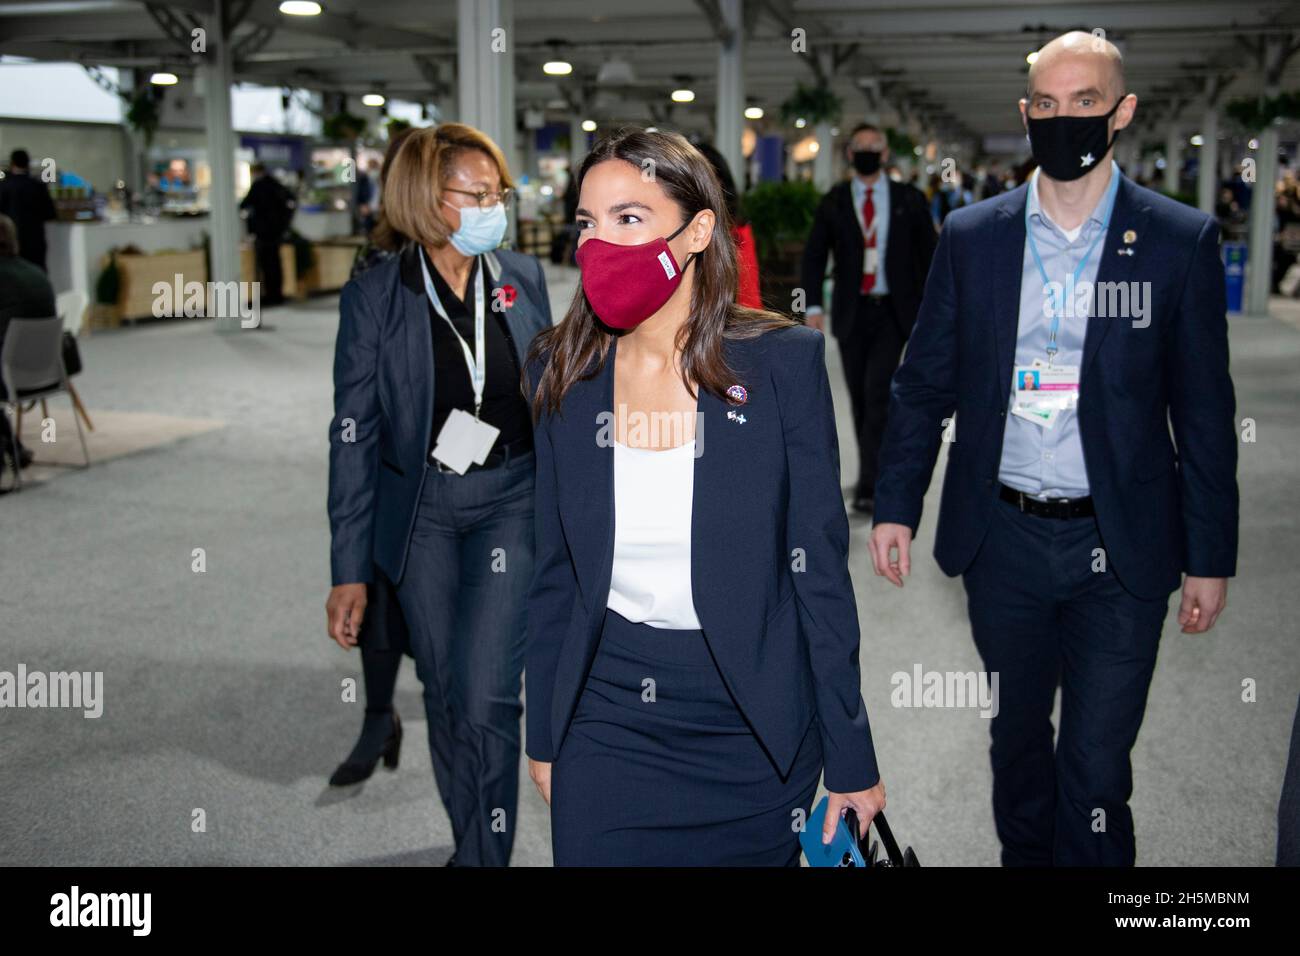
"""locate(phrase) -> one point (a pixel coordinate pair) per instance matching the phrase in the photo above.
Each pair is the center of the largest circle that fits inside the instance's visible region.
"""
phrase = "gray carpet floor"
(222, 692)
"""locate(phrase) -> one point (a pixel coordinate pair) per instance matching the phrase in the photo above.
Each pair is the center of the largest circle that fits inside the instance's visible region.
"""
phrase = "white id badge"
(870, 260)
(463, 440)
(1043, 391)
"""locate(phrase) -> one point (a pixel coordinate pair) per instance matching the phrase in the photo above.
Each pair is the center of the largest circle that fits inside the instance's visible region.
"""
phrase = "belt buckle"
(1021, 502)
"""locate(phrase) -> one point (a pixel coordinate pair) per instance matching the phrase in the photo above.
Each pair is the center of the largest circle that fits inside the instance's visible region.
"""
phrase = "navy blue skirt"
(660, 768)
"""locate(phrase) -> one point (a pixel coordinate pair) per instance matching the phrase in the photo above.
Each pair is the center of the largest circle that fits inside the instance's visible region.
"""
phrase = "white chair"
(71, 306)
(31, 364)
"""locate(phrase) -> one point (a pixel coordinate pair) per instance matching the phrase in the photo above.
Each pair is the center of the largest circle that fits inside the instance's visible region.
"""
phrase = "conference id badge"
(870, 260)
(1043, 391)
(464, 440)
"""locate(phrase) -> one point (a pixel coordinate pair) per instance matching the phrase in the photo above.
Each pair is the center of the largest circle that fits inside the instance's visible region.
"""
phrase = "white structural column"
(731, 89)
(1173, 156)
(485, 54)
(1259, 264)
(486, 78)
(216, 73)
(577, 143)
(824, 161)
(1207, 180)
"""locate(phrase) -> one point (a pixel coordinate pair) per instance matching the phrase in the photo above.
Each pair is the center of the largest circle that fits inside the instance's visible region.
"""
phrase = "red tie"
(868, 216)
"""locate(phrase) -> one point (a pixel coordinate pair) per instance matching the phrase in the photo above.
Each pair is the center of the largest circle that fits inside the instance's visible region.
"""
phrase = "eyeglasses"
(487, 199)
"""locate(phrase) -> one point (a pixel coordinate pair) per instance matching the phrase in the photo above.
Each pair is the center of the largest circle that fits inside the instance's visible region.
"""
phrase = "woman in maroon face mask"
(692, 652)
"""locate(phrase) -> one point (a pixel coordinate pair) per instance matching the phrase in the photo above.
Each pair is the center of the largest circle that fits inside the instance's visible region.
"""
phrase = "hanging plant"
(900, 144)
(396, 126)
(143, 113)
(816, 104)
(343, 126)
(1256, 113)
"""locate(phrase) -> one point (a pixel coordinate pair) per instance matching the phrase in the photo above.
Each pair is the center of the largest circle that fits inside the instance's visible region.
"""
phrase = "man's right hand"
(885, 539)
(541, 776)
(345, 609)
(816, 319)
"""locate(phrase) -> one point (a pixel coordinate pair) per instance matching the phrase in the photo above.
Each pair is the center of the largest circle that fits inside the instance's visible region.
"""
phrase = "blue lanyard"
(1057, 307)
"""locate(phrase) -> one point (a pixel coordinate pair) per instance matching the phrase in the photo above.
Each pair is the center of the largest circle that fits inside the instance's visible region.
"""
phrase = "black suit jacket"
(909, 249)
(769, 550)
(1162, 512)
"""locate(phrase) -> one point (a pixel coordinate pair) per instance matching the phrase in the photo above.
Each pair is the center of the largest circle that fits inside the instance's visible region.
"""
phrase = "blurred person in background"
(26, 200)
(747, 284)
(882, 238)
(949, 194)
(366, 194)
(270, 209)
(25, 293)
(381, 242)
(431, 464)
(383, 637)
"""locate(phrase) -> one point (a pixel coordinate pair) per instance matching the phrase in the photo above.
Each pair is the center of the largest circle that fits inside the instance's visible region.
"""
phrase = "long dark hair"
(577, 348)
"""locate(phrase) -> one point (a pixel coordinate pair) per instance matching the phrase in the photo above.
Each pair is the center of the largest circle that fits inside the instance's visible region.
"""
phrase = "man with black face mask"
(1068, 508)
(882, 238)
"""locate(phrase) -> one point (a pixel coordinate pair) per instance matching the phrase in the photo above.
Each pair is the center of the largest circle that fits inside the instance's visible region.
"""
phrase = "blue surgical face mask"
(481, 230)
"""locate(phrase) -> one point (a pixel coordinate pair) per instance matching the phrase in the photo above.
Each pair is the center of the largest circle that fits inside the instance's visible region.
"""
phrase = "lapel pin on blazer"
(1130, 237)
(737, 395)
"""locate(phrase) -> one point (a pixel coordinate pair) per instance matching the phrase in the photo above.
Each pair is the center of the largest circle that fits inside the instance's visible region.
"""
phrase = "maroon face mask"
(625, 285)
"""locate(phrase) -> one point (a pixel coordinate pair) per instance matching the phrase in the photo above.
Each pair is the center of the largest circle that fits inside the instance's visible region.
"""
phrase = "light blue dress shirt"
(880, 199)
(1048, 462)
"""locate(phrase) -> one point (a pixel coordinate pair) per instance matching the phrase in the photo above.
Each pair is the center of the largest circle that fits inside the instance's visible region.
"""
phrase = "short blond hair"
(420, 170)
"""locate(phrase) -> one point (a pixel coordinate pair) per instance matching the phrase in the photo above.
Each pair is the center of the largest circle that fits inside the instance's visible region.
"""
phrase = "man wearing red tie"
(882, 238)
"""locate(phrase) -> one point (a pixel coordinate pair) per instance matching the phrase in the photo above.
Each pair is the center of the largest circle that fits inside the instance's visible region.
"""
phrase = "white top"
(650, 582)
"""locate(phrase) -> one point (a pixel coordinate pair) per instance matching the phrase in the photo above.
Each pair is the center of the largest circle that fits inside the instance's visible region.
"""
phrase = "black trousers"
(267, 253)
(870, 350)
(1046, 611)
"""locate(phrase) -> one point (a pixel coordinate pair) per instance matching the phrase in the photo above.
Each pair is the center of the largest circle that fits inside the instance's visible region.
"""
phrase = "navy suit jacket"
(1164, 506)
(767, 500)
(383, 383)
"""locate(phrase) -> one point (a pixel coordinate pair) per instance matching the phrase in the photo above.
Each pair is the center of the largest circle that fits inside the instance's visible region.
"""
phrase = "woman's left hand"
(867, 803)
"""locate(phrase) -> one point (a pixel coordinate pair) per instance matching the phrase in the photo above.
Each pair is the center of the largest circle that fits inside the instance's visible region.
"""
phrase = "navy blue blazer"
(767, 500)
(1164, 507)
(383, 382)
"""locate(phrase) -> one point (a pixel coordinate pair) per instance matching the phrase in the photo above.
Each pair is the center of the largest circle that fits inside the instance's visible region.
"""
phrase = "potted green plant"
(781, 215)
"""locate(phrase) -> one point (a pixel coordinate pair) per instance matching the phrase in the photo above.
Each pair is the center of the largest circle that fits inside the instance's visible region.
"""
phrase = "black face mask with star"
(1068, 147)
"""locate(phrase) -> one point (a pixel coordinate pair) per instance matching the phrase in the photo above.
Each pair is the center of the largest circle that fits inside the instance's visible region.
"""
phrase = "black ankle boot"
(359, 766)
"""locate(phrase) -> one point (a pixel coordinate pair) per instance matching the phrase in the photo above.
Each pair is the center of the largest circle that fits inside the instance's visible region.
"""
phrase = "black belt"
(496, 457)
(1051, 508)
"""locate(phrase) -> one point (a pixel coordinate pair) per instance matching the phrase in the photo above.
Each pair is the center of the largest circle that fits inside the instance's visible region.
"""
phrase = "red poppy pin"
(506, 295)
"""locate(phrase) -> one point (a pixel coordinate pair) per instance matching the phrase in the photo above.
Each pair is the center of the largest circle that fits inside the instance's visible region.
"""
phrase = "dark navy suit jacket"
(1165, 507)
(383, 382)
(767, 499)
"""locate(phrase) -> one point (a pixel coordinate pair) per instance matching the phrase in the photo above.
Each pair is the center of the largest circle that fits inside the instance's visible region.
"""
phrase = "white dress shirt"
(650, 582)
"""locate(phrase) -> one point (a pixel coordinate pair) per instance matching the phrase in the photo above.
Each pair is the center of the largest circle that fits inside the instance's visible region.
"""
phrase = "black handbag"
(892, 855)
(71, 354)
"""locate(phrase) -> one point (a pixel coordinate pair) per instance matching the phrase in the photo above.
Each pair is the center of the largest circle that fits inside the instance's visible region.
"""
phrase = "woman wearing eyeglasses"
(431, 464)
